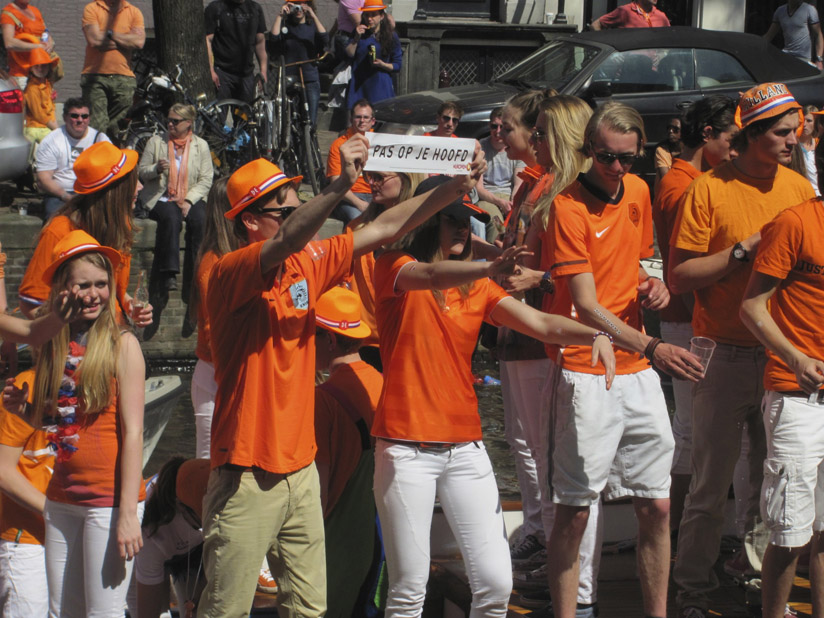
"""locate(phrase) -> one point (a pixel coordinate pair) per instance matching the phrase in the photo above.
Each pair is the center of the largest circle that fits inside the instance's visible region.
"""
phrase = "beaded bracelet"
(607, 335)
(649, 351)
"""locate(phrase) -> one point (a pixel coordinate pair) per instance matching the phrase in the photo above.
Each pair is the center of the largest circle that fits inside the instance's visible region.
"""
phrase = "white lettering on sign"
(419, 154)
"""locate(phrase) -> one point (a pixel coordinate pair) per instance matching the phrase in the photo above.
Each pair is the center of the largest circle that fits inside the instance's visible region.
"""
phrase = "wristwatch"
(110, 34)
(740, 253)
(546, 284)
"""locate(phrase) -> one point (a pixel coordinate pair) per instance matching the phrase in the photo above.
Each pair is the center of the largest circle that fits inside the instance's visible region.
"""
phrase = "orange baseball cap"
(764, 101)
(100, 165)
(77, 242)
(339, 310)
(372, 5)
(190, 484)
(253, 180)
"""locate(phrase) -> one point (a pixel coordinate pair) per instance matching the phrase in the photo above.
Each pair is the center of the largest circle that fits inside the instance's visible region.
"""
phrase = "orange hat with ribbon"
(100, 165)
(372, 5)
(253, 180)
(765, 101)
(339, 310)
(77, 242)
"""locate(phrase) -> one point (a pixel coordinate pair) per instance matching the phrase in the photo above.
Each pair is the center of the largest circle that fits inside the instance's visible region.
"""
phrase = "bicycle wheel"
(227, 129)
(137, 140)
(311, 159)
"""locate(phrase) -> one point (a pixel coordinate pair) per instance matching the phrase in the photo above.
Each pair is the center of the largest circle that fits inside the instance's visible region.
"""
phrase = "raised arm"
(690, 271)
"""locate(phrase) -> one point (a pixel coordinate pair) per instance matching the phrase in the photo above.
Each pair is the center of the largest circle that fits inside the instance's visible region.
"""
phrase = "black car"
(658, 71)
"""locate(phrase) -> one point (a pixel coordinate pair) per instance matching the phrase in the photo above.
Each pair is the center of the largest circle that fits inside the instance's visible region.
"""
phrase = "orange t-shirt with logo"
(668, 197)
(34, 26)
(129, 20)
(585, 234)
(263, 349)
(203, 350)
(18, 523)
(338, 438)
(721, 208)
(792, 250)
(426, 352)
(34, 290)
(333, 164)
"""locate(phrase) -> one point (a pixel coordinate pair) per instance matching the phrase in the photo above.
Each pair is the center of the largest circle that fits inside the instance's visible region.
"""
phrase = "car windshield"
(553, 66)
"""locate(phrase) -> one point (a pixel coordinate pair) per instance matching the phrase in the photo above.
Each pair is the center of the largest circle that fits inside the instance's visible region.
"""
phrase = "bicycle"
(297, 151)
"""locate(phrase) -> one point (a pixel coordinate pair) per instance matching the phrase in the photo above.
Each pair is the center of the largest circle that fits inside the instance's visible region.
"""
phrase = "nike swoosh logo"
(602, 232)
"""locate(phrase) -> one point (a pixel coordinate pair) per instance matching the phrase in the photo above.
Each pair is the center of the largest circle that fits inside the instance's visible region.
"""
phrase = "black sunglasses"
(283, 211)
(608, 158)
(175, 121)
(447, 118)
(75, 116)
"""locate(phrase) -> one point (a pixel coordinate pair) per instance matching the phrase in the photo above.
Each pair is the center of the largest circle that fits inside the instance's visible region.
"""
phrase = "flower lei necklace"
(63, 436)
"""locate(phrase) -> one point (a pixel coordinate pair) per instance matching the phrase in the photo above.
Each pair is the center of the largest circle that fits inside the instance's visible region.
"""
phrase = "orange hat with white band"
(765, 101)
(100, 165)
(339, 310)
(77, 242)
(253, 180)
(372, 5)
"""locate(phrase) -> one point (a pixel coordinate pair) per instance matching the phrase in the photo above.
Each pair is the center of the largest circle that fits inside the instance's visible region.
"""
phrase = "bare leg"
(777, 574)
(653, 553)
(562, 552)
(817, 575)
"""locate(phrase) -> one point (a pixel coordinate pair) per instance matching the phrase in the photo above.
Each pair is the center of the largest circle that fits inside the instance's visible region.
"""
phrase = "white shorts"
(792, 496)
(618, 441)
(23, 588)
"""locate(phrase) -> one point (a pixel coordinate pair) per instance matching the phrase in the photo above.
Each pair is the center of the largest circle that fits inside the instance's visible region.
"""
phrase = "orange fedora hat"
(339, 310)
(77, 242)
(100, 165)
(253, 180)
(373, 5)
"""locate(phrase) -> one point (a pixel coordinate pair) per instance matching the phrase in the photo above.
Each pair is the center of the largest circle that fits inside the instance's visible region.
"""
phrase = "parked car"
(658, 71)
(14, 148)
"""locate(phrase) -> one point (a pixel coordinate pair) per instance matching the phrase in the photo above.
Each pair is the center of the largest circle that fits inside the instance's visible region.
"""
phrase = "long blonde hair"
(566, 118)
(409, 182)
(96, 373)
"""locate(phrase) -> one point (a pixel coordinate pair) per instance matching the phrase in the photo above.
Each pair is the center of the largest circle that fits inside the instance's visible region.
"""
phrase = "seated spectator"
(448, 116)
(500, 180)
(57, 152)
(361, 120)
(344, 410)
(176, 172)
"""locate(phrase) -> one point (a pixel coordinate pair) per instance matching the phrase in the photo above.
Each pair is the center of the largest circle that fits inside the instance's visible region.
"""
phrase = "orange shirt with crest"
(263, 348)
(721, 208)
(587, 235)
(792, 250)
(426, 352)
(18, 523)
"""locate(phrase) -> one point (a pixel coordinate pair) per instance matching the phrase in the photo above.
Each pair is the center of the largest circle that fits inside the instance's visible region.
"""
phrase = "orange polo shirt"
(33, 290)
(203, 349)
(792, 250)
(668, 197)
(333, 164)
(39, 103)
(18, 523)
(721, 208)
(263, 349)
(426, 352)
(588, 235)
(128, 20)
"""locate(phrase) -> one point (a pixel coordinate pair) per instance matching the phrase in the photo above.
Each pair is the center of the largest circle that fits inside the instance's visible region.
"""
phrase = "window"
(553, 66)
(648, 70)
(717, 68)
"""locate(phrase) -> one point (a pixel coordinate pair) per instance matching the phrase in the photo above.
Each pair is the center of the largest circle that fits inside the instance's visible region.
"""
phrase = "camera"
(295, 8)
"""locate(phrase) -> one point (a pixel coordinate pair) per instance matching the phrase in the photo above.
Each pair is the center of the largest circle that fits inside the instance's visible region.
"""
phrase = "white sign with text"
(419, 154)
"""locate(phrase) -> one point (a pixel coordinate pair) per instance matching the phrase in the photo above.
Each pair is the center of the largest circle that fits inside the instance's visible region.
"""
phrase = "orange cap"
(100, 165)
(77, 242)
(253, 180)
(764, 101)
(339, 310)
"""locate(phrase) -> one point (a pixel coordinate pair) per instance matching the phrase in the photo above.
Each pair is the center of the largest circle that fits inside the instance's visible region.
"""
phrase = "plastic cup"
(702, 347)
(23, 210)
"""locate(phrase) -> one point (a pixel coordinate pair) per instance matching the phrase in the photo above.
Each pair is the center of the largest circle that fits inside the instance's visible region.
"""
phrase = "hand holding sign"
(353, 155)
(420, 154)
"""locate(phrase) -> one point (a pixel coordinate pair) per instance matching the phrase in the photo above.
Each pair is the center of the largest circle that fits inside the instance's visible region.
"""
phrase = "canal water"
(179, 437)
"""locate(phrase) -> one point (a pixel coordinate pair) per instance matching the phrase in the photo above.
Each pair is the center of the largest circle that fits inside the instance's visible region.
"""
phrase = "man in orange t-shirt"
(714, 240)
(617, 441)
(707, 127)
(113, 30)
(783, 307)
(264, 496)
(361, 120)
(344, 410)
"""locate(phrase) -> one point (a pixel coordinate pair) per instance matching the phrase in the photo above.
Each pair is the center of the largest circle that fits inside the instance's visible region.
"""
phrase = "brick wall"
(63, 18)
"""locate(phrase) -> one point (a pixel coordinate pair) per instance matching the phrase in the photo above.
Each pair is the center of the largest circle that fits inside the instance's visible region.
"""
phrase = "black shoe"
(189, 326)
(170, 282)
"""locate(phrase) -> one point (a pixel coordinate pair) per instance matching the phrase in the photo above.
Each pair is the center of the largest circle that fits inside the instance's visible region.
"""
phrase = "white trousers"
(86, 575)
(204, 389)
(407, 481)
(521, 384)
(23, 580)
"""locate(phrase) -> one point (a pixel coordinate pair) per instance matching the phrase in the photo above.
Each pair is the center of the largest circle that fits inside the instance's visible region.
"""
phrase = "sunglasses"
(282, 211)
(538, 135)
(453, 119)
(76, 116)
(175, 121)
(608, 158)
(378, 179)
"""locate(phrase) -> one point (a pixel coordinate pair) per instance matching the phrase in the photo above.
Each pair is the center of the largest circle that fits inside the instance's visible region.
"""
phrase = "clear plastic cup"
(702, 347)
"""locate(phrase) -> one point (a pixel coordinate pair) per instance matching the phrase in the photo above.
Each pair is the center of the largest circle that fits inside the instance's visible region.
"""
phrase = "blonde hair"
(409, 182)
(97, 371)
(619, 118)
(566, 118)
(187, 112)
